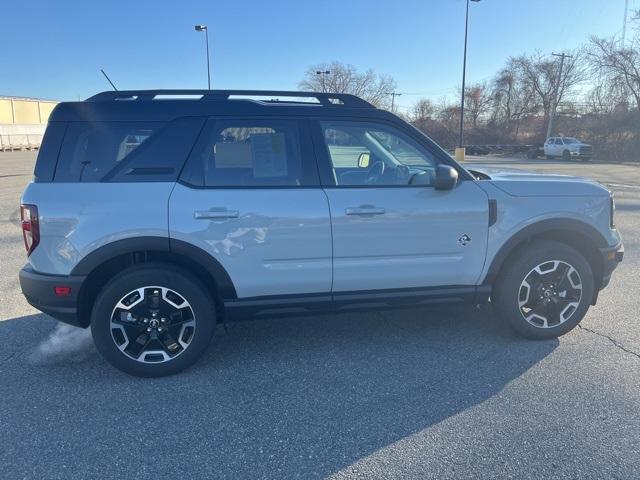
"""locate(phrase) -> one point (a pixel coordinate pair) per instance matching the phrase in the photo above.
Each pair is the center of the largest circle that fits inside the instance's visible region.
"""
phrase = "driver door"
(388, 233)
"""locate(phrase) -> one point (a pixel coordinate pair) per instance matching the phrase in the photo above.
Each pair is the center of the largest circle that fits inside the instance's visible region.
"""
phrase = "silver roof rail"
(324, 98)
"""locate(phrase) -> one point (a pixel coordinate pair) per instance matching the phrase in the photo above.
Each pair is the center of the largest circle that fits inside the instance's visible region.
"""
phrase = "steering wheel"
(375, 172)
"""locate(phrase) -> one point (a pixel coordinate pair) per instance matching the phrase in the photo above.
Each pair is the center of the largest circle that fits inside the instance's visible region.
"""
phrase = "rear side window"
(126, 151)
(91, 150)
(48, 153)
(249, 153)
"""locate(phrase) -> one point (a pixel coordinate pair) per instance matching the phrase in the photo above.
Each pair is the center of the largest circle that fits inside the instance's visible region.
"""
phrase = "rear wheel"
(545, 290)
(152, 320)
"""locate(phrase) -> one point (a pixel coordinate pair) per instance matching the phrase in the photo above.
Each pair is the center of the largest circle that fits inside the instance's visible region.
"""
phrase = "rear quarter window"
(48, 153)
(125, 151)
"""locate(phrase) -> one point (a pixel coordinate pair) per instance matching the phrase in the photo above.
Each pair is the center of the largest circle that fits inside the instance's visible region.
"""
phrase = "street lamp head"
(202, 28)
(323, 72)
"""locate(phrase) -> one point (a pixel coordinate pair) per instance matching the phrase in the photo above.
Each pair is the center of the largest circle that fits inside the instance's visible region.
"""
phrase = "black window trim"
(325, 165)
(307, 153)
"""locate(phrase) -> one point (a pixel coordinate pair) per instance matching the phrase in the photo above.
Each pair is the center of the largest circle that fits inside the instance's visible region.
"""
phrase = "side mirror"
(446, 177)
(363, 160)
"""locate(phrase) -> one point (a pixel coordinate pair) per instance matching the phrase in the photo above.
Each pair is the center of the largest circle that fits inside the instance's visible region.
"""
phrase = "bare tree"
(342, 78)
(618, 67)
(477, 102)
(512, 98)
(423, 109)
(540, 74)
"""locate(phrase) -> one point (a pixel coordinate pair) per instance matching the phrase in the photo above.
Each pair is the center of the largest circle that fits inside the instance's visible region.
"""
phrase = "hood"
(521, 183)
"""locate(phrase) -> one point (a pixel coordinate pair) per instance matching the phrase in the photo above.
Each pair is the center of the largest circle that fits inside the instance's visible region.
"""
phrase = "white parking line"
(622, 185)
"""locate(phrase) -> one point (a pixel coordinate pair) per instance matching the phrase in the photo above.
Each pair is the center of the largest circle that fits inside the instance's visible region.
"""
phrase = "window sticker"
(269, 155)
(232, 155)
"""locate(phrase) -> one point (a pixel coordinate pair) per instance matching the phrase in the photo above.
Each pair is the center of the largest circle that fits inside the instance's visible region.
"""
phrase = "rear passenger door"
(250, 197)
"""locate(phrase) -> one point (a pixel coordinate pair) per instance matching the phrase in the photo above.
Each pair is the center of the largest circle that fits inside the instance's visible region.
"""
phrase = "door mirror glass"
(363, 160)
(446, 177)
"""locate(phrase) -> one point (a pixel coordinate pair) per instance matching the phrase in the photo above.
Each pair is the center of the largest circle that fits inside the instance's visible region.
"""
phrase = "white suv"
(151, 217)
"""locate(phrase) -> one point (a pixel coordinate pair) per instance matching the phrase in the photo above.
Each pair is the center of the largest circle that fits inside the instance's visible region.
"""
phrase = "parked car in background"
(477, 150)
(567, 148)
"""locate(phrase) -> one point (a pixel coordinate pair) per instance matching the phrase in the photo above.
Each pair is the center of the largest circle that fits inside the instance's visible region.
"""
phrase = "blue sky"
(55, 49)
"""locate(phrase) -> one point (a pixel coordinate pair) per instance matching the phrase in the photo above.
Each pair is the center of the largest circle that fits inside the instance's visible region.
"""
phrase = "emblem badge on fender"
(464, 240)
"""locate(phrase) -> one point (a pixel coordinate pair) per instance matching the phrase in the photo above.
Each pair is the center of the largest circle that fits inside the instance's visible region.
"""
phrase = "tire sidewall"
(508, 287)
(153, 275)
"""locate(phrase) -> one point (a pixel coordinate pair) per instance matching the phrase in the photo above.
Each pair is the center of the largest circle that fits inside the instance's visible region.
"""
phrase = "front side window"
(363, 153)
(248, 153)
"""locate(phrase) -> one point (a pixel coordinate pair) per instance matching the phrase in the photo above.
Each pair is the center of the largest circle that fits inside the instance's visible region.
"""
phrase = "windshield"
(570, 140)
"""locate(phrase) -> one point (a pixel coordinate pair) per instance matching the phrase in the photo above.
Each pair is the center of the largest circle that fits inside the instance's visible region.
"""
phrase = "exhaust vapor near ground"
(65, 343)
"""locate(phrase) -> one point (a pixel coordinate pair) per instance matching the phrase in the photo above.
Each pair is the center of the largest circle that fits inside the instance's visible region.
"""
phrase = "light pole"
(323, 74)
(464, 73)
(203, 28)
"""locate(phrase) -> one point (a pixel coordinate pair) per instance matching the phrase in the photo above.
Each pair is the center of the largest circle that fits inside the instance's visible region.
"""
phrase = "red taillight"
(30, 227)
(62, 291)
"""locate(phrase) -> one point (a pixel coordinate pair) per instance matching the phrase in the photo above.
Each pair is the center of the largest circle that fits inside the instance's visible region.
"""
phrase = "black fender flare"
(569, 225)
(159, 244)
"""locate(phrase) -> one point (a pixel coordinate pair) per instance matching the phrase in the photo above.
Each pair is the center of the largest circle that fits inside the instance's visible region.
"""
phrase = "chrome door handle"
(364, 210)
(215, 214)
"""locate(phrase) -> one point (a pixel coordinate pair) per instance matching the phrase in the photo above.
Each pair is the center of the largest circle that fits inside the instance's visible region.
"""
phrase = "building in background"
(22, 122)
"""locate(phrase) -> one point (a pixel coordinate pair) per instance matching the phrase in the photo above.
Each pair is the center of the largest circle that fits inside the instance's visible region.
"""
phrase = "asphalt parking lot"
(445, 392)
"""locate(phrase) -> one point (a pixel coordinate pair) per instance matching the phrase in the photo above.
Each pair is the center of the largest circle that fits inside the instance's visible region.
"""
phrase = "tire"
(156, 305)
(534, 318)
(566, 156)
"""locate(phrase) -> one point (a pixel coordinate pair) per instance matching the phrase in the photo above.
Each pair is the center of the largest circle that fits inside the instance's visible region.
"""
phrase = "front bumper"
(611, 257)
(40, 291)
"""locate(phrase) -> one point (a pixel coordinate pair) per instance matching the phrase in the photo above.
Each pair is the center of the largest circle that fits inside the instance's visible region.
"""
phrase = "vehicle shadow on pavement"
(271, 399)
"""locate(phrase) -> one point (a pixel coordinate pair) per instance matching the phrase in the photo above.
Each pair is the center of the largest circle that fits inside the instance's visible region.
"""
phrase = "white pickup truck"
(567, 148)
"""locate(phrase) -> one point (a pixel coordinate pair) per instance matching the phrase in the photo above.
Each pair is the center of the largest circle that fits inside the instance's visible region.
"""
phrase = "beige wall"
(45, 110)
(6, 112)
(23, 111)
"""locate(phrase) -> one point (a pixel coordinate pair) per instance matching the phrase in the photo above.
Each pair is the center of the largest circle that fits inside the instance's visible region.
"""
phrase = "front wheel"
(152, 320)
(545, 290)
(566, 156)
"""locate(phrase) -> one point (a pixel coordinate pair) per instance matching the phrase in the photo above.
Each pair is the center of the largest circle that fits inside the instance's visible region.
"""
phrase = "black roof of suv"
(165, 105)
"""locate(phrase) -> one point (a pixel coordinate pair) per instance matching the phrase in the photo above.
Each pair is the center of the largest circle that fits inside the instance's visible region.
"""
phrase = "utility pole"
(554, 100)
(393, 100)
